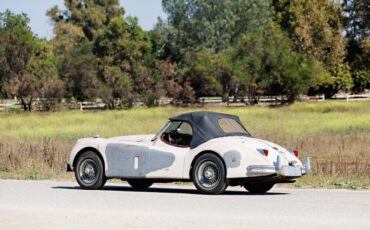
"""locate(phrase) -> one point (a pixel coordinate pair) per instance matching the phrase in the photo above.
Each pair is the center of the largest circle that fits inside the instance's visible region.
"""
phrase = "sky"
(147, 12)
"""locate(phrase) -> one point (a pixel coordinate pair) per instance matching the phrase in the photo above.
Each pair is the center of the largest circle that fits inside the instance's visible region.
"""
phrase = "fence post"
(347, 97)
(81, 106)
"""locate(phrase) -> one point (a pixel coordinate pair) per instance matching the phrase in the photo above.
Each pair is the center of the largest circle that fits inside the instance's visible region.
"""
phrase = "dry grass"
(338, 161)
(335, 134)
(42, 159)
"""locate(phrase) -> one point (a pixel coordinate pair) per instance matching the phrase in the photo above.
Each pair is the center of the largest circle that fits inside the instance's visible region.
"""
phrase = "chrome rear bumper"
(279, 169)
(260, 170)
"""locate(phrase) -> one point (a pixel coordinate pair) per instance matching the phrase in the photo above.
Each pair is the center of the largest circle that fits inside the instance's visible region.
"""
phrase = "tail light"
(295, 152)
(264, 152)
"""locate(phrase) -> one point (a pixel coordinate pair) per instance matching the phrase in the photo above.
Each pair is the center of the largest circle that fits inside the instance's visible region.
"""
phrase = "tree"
(196, 34)
(212, 75)
(124, 51)
(92, 16)
(17, 49)
(173, 83)
(76, 62)
(357, 18)
(27, 65)
(357, 22)
(315, 28)
(210, 24)
(118, 52)
(266, 63)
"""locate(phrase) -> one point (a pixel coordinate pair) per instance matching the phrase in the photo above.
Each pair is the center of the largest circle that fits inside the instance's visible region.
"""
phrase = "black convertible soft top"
(206, 126)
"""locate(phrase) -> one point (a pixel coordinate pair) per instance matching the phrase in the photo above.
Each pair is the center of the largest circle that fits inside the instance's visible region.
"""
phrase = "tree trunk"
(251, 96)
(30, 105)
(225, 97)
(27, 106)
(291, 98)
(24, 104)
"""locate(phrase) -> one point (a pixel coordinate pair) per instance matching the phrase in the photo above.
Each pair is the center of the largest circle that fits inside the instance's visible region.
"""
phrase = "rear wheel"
(258, 188)
(140, 184)
(209, 174)
(89, 171)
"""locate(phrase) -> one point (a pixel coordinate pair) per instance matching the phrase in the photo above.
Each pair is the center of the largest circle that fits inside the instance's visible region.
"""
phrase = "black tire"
(258, 188)
(89, 171)
(209, 174)
(140, 184)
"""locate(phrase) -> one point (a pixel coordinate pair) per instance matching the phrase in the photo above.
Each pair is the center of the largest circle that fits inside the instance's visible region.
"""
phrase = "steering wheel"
(171, 136)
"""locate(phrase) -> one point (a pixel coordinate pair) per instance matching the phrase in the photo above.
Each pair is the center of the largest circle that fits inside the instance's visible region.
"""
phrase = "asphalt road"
(62, 205)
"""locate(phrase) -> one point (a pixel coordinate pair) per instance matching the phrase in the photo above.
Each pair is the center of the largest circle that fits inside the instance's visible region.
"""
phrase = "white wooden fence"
(91, 105)
(347, 97)
(6, 105)
(15, 105)
(275, 99)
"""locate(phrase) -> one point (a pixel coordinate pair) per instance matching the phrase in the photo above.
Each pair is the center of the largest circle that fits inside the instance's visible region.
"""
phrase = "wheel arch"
(201, 154)
(83, 150)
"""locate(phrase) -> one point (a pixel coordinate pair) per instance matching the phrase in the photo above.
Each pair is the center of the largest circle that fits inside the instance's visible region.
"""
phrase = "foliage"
(255, 57)
(238, 48)
(113, 52)
(261, 63)
(212, 74)
(27, 65)
(315, 29)
(357, 20)
(205, 24)
(265, 63)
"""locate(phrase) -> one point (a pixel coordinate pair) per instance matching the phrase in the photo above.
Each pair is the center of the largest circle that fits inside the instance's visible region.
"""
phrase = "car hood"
(134, 138)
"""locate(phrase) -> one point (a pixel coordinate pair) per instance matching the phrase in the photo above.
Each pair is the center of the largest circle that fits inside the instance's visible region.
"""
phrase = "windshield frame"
(159, 133)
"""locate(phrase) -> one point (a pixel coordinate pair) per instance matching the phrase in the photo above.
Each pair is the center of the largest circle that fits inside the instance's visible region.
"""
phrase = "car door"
(168, 152)
(126, 159)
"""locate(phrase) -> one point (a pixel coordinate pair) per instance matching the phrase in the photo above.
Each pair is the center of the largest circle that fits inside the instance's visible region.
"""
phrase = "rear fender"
(235, 157)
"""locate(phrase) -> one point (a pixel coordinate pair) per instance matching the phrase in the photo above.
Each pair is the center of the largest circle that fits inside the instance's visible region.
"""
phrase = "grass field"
(336, 134)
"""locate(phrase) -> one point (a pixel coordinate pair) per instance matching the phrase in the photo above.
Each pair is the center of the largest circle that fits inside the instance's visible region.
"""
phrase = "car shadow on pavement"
(124, 188)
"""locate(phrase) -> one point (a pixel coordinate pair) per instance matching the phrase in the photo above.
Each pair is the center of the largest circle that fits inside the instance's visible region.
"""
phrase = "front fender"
(97, 144)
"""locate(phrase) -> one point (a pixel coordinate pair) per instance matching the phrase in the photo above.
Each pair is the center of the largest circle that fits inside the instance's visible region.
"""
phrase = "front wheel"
(258, 188)
(209, 174)
(89, 171)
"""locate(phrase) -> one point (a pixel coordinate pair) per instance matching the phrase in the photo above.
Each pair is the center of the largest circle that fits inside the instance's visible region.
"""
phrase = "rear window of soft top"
(231, 126)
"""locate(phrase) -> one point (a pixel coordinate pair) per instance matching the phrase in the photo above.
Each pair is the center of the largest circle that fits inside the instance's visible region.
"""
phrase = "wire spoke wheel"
(88, 171)
(208, 174)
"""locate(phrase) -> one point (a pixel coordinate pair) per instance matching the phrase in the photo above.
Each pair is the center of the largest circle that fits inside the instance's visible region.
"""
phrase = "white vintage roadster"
(211, 149)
